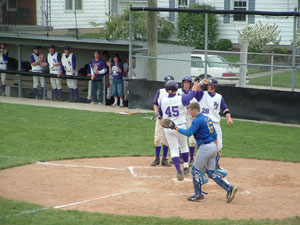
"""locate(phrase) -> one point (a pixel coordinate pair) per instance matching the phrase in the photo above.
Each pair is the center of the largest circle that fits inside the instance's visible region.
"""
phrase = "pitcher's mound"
(128, 185)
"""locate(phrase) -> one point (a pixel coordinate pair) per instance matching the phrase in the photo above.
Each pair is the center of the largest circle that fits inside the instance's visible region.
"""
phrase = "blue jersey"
(202, 128)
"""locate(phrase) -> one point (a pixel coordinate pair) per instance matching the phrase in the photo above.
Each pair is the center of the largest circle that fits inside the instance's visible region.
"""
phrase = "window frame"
(10, 9)
(236, 16)
(72, 5)
(185, 5)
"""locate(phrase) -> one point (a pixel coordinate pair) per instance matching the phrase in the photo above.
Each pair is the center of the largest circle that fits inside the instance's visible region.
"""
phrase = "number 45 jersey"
(174, 108)
(210, 106)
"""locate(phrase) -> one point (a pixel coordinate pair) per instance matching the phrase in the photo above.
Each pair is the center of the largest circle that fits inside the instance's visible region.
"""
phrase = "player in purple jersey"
(3, 66)
(97, 69)
(116, 69)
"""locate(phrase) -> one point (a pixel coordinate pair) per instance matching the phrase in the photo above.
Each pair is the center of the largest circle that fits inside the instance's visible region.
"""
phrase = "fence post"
(294, 52)
(243, 60)
(130, 42)
(205, 44)
(152, 42)
(20, 69)
(272, 69)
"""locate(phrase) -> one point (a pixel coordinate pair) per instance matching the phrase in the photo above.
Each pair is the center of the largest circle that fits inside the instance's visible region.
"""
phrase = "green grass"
(279, 80)
(31, 133)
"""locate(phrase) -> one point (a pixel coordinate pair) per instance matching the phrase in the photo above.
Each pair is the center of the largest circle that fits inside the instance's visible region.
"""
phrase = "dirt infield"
(129, 186)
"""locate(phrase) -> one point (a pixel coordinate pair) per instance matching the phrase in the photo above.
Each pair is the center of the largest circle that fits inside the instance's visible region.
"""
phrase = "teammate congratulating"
(174, 108)
(203, 130)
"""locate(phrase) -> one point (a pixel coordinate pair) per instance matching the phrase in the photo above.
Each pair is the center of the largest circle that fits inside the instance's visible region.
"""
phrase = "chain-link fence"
(269, 57)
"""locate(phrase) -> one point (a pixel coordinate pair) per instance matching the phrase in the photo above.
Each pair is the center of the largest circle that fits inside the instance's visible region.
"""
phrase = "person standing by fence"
(3, 66)
(36, 61)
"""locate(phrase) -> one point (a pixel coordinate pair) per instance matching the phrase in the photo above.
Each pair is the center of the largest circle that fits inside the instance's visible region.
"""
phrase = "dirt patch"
(129, 186)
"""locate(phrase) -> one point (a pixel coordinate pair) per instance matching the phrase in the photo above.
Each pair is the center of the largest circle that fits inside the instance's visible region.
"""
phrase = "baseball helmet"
(213, 81)
(171, 85)
(168, 77)
(189, 78)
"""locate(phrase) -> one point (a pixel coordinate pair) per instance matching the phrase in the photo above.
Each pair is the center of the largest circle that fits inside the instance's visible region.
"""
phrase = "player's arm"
(45, 63)
(33, 62)
(155, 102)
(58, 60)
(192, 129)
(226, 112)
(73, 64)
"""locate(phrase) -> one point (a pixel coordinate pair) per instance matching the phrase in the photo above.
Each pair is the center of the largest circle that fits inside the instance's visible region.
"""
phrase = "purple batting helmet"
(213, 81)
(189, 78)
(171, 85)
(168, 77)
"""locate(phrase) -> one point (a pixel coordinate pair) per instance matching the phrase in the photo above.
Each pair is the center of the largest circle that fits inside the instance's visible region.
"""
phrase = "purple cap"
(36, 47)
(67, 47)
(51, 46)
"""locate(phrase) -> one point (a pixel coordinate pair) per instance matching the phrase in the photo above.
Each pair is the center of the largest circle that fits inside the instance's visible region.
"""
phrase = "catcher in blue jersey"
(205, 135)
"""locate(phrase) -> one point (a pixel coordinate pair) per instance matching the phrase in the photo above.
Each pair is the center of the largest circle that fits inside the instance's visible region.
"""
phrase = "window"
(197, 62)
(239, 5)
(11, 5)
(182, 3)
(69, 4)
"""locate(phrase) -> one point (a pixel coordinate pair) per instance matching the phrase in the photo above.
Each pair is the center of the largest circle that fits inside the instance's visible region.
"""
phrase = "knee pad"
(199, 176)
(221, 173)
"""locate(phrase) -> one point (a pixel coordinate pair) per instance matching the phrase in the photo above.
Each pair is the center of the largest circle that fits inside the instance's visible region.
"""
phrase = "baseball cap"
(67, 47)
(51, 46)
(36, 47)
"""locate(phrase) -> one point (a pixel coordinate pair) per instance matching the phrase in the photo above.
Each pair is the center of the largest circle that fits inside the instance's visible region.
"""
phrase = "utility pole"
(152, 42)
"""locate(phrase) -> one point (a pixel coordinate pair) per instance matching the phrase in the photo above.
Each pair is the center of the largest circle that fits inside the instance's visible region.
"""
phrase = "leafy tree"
(118, 26)
(259, 35)
(191, 28)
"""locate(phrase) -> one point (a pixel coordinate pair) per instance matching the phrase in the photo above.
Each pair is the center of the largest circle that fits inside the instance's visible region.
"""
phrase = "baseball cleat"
(115, 104)
(186, 171)
(164, 162)
(180, 176)
(231, 194)
(155, 162)
(171, 161)
(193, 198)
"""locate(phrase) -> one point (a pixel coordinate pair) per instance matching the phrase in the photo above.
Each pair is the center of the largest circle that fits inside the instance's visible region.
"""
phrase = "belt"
(205, 143)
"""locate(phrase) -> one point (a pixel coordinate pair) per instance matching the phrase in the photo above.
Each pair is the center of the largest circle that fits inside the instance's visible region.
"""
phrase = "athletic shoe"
(155, 162)
(94, 103)
(186, 171)
(191, 162)
(193, 198)
(36, 97)
(114, 105)
(3, 94)
(180, 175)
(231, 194)
(121, 105)
(171, 161)
(164, 162)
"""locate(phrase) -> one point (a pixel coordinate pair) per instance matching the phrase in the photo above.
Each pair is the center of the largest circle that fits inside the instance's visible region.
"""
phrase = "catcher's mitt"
(167, 123)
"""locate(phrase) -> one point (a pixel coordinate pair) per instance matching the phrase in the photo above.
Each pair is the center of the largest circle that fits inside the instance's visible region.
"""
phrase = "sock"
(165, 151)
(54, 93)
(192, 150)
(157, 151)
(76, 93)
(3, 88)
(185, 157)
(121, 101)
(71, 93)
(59, 93)
(116, 101)
(176, 162)
(35, 92)
(43, 92)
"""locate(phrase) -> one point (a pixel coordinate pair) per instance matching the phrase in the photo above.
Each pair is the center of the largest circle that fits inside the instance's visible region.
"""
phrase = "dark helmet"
(189, 78)
(171, 85)
(213, 81)
(168, 77)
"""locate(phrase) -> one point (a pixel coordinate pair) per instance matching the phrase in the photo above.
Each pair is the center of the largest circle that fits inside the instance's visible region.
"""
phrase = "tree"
(191, 28)
(118, 26)
(259, 35)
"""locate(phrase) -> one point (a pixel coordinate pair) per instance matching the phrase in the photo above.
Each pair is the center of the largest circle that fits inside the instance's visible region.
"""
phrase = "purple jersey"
(97, 65)
(116, 74)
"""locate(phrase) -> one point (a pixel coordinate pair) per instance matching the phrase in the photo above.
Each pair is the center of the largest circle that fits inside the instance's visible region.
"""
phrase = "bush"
(224, 45)
(279, 50)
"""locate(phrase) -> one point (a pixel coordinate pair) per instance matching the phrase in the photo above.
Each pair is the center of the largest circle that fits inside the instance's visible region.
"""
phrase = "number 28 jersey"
(210, 106)
(173, 108)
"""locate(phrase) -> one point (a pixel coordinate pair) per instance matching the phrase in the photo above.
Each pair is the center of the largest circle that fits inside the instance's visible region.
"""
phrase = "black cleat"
(180, 176)
(231, 194)
(164, 162)
(155, 162)
(193, 198)
(186, 171)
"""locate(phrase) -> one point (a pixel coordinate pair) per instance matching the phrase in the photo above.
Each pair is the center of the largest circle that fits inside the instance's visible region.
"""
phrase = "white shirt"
(210, 106)
(67, 63)
(38, 67)
(173, 109)
(52, 59)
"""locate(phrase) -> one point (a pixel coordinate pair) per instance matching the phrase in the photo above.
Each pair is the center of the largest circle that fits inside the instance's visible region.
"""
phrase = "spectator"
(3, 66)
(36, 61)
(125, 78)
(69, 65)
(116, 69)
(108, 77)
(97, 69)
(53, 60)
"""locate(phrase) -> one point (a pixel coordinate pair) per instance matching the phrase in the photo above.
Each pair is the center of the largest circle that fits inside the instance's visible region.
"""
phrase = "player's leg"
(120, 91)
(171, 136)
(70, 86)
(35, 86)
(158, 136)
(164, 161)
(75, 90)
(43, 84)
(59, 88)
(89, 96)
(3, 80)
(192, 144)
(114, 92)
(184, 149)
(220, 143)
(54, 88)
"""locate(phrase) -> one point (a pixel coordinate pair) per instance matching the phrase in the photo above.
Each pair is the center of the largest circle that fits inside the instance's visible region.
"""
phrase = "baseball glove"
(167, 123)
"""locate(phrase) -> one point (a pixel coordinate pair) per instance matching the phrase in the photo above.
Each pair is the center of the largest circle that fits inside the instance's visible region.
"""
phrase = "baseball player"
(174, 108)
(53, 60)
(203, 130)
(211, 103)
(97, 69)
(3, 66)
(159, 135)
(68, 61)
(36, 60)
(186, 88)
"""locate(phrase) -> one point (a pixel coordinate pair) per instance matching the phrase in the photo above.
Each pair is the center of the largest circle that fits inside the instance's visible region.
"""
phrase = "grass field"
(31, 133)
(279, 80)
